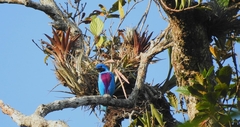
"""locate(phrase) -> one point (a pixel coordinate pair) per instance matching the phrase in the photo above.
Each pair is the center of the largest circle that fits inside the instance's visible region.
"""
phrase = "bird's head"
(101, 67)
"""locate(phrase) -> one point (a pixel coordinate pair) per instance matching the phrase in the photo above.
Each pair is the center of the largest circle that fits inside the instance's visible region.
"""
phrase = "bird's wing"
(111, 87)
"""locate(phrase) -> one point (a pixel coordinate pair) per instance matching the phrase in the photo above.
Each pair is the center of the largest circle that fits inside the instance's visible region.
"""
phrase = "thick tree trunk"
(190, 52)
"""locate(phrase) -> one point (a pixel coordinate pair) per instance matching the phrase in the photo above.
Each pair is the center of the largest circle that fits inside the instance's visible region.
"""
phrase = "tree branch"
(52, 10)
(157, 45)
(38, 117)
(62, 22)
(30, 121)
(75, 102)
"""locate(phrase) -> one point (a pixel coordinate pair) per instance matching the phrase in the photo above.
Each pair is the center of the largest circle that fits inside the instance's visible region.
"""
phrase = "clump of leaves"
(217, 98)
(150, 119)
(61, 49)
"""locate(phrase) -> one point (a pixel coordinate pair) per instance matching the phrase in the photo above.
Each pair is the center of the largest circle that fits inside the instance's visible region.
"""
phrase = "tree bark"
(190, 52)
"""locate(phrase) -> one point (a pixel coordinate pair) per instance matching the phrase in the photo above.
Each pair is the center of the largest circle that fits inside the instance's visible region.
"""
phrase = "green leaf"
(199, 78)
(102, 8)
(183, 90)
(203, 72)
(114, 7)
(224, 118)
(182, 5)
(224, 75)
(210, 70)
(199, 87)
(113, 16)
(120, 8)
(194, 92)
(172, 99)
(232, 91)
(203, 105)
(237, 39)
(176, 4)
(148, 119)
(101, 41)
(211, 97)
(133, 123)
(223, 3)
(96, 26)
(199, 117)
(157, 115)
(199, 1)
(143, 119)
(222, 88)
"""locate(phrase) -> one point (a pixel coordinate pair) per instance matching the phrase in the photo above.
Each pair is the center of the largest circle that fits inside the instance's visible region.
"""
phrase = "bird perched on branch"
(106, 82)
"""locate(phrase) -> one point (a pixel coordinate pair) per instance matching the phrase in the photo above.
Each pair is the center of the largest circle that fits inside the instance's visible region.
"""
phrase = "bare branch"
(157, 45)
(159, 10)
(32, 120)
(177, 10)
(75, 102)
(52, 10)
(62, 21)
(128, 11)
(144, 17)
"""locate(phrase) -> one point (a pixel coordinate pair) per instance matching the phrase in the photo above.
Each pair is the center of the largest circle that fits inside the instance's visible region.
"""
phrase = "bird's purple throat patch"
(106, 78)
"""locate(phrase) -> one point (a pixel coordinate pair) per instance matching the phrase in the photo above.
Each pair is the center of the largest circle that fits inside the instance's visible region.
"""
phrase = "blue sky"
(26, 80)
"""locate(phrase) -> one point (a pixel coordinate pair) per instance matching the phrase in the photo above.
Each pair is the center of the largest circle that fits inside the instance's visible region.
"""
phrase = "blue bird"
(106, 82)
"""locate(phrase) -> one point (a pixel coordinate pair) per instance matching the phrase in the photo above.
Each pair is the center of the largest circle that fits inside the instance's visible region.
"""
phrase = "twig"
(159, 10)
(144, 17)
(41, 48)
(118, 74)
(175, 10)
(127, 14)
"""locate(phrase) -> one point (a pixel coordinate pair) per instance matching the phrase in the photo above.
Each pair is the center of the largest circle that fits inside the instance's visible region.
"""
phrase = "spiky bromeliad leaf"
(133, 123)
(96, 26)
(183, 3)
(172, 99)
(157, 115)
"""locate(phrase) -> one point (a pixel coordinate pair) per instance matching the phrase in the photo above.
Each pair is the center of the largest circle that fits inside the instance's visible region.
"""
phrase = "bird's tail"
(103, 108)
